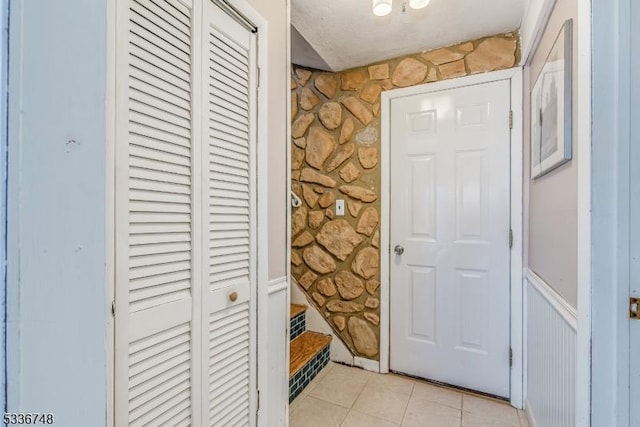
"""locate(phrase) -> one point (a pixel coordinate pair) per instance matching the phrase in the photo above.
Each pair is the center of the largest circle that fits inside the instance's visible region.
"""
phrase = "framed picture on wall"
(551, 115)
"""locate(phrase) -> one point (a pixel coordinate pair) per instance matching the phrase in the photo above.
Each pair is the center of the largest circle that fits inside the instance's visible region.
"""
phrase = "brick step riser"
(304, 376)
(297, 326)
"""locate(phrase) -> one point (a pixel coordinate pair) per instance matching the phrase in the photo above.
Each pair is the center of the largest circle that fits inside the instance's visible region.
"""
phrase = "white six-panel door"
(449, 282)
(185, 241)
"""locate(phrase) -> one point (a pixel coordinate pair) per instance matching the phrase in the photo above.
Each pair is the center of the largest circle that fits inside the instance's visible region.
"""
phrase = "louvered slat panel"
(159, 187)
(220, 102)
(159, 375)
(229, 365)
(230, 47)
(163, 103)
(220, 92)
(162, 22)
(139, 131)
(160, 93)
(159, 280)
(178, 20)
(151, 206)
(231, 145)
(166, 69)
(230, 163)
(150, 152)
(235, 120)
(170, 90)
(229, 160)
(155, 38)
(146, 239)
(236, 58)
(159, 269)
(160, 212)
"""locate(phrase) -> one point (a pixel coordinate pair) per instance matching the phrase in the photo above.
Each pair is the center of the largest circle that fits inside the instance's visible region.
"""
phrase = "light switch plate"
(340, 207)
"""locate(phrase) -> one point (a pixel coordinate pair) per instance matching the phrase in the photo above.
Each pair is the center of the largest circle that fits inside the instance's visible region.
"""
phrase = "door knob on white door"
(399, 250)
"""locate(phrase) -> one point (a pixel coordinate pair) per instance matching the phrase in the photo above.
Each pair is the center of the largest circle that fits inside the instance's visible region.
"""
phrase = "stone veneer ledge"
(335, 155)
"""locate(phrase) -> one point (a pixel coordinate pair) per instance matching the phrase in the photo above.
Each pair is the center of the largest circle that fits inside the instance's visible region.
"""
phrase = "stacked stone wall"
(335, 154)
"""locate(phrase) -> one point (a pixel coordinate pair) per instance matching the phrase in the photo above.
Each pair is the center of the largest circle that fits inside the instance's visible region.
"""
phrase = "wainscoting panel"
(551, 356)
(275, 399)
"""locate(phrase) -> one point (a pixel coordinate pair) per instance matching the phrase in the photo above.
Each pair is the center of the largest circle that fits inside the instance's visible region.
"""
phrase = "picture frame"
(551, 107)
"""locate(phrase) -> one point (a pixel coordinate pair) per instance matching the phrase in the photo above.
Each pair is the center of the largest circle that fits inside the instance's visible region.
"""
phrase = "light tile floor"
(352, 397)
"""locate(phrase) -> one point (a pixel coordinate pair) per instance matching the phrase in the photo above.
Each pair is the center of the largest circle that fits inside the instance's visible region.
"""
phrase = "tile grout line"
(333, 403)
(370, 381)
(404, 414)
(355, 400)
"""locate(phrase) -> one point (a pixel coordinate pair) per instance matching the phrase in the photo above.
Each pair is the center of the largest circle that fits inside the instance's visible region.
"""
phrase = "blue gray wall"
(4, 39)
(56, 272)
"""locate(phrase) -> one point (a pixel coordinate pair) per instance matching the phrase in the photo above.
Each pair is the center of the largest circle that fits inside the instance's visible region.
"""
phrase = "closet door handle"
(233, 296)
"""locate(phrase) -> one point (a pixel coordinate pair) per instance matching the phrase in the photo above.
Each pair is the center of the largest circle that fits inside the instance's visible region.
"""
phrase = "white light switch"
(340, 207)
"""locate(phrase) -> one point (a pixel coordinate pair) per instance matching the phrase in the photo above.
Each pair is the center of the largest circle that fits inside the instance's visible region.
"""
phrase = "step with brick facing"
(309, 354)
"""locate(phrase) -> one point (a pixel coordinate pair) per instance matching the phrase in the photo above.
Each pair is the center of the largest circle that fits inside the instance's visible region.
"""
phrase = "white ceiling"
(346, 34)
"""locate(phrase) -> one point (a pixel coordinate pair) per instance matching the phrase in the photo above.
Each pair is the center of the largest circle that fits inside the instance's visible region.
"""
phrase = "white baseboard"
(275, 361)
(367, 364)
(530, 418)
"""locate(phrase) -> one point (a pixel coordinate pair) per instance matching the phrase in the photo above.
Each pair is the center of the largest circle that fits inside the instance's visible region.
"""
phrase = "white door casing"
(185, 215)
(634, 214)
(450, 201)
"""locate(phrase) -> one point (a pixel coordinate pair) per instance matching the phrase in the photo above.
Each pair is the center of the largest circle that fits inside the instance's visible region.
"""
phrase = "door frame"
(604, 314)
(514, 76)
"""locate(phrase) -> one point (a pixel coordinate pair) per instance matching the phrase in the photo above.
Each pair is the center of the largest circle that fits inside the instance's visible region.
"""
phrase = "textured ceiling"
(346, 33)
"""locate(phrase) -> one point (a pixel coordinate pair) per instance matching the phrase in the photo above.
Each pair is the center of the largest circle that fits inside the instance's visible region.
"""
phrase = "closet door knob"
(233, 296)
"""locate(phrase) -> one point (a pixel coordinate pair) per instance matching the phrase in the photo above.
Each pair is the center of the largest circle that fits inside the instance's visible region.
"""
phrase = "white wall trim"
(277, 285)
(275, 393)
(517, 251)
(612, 228)
(110, 214)
(566, 311)
(583, 129)
(475, 79)
(366, 364)
(517, 310)
(288, 239)
(530, 417)
(533, 25)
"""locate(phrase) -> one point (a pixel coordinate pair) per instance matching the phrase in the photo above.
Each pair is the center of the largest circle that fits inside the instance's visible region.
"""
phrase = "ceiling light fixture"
(382, 7)
(419, 4)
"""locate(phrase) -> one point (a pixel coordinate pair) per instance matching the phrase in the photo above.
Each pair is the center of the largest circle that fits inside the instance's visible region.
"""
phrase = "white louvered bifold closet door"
(186, 215)
(229, 76)
(155, 250)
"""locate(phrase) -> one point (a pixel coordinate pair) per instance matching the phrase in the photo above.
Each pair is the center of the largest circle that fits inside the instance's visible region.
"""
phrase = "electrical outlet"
(340, 207)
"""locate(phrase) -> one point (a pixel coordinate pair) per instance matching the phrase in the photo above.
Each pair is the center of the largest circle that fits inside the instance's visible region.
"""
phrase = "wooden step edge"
(304, 348)
(296, 309)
